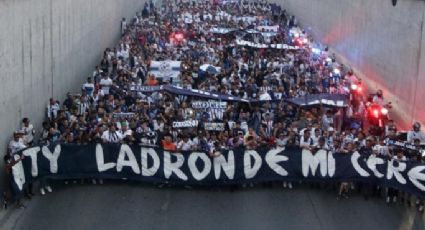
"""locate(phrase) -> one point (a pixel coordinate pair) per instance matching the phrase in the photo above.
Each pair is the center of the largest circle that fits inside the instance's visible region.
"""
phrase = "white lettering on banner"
(331, 164)
(52, 157)
(268, 28)
(32, 153)
(146, 171)
(310, 161)
(209, 104)
(251, 170)
(227, 166)
(416, 175)
(185, 124)
(396, 171)
(196, 173)
(354, 161)
(101, 166)
(273, 159)
(402, 145)
(145, 88)
(126, 152)
(18, 173)
(371, 164)
(328, 102)
(201, 92)
(123, 115)
(252, 163)
(214, 126)
(241, 42)
(173, 167)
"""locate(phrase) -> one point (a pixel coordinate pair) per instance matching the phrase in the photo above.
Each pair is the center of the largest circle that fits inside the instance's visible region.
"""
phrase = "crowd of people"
(109, 110)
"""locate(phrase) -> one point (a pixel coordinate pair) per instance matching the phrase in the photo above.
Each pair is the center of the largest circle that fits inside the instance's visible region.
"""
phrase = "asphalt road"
(130, 206)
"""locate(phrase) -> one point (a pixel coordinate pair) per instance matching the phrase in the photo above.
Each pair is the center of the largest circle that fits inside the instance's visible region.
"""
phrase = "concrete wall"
(385, 44)
(49, 47)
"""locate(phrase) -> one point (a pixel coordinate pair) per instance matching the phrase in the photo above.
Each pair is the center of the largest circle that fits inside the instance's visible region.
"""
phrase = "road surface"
(133, 206)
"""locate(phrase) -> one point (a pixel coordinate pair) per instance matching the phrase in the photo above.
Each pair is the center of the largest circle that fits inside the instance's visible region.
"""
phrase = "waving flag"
(166, 70)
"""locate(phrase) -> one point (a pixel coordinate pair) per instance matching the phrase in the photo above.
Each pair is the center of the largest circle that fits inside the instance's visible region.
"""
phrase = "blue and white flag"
(268, 28)
(330, 100)
(222, 30)
(166, 70)
(202, 94)
(248, 19)
(224, 2)
(210, 68)
(241, 42)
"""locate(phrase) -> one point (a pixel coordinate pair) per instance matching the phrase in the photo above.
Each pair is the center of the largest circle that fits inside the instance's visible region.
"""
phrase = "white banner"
(268, 28)
(209, 104)
(213, 126)
(283, 47)
(123, 115)
(228, 1)
(248, 19)
(187, 18)
(241, 42)
(166, 70)
(185, 124)
(220, 30)
(145, 88)
(207, 67)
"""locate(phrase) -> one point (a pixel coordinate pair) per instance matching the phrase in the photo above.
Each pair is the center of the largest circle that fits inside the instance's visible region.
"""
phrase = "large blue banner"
(237, 166)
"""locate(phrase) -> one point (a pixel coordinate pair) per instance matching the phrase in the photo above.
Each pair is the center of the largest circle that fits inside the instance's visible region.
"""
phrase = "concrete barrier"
(49, 47)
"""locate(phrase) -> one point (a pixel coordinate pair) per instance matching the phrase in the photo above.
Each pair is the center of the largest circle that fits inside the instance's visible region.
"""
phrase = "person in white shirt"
(327, 120)
(96, 74)
(306, 142)
(126, 133)
(16, 144)
(185, 145)
(83, 106)
(28, 131)
(52, 109)
(125, 53)
(399, 156)
(321, 144)
(88, 87)
(158, 124)
(282, 140)
(349, 138)
(268, 122)
(123, 26)
(106, 84)
(264, 96)
(317, 133)
(111, 135)
(416, 133)
(382, 148)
